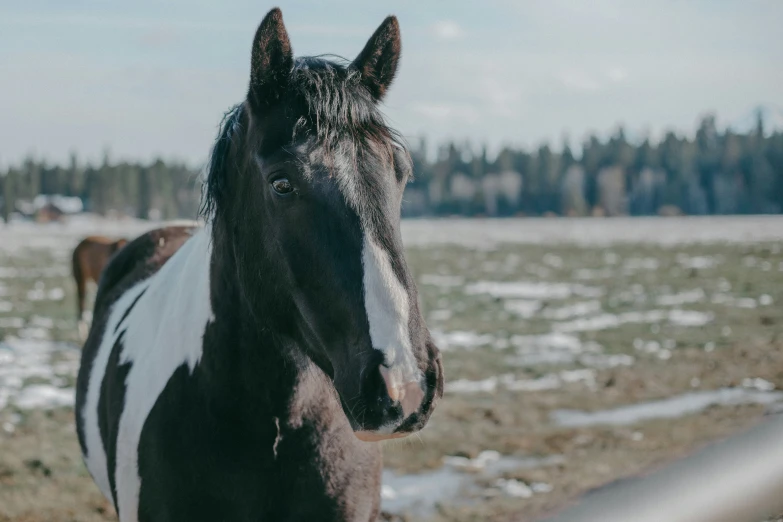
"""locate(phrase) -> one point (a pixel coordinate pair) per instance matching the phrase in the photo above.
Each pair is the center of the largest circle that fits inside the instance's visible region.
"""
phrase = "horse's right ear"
(377, 63)
(270, 63)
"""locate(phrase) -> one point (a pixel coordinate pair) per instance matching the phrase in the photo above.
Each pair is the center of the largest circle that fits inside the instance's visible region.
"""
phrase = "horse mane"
(217, 167)
(337, 106)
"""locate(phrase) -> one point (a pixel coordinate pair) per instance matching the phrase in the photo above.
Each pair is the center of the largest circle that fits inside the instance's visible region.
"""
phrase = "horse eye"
(282, 186)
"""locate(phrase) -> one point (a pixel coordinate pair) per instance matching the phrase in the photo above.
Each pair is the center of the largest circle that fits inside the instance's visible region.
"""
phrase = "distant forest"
(716, 172)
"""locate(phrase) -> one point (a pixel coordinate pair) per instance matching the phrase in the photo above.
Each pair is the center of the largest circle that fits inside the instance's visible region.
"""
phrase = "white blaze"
(388, 309)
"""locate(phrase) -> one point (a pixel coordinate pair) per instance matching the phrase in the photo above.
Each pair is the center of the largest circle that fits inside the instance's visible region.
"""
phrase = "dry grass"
(42, 477)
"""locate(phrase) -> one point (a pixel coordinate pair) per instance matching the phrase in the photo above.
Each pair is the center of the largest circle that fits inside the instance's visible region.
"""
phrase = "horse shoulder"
(124, 282)
(163, 333)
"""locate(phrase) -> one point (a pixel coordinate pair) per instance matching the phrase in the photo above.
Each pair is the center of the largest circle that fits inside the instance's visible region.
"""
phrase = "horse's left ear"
(377, 63)
(271, 61)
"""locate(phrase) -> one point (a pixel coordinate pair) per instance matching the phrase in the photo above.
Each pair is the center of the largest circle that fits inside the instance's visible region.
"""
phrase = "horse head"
(305, 188)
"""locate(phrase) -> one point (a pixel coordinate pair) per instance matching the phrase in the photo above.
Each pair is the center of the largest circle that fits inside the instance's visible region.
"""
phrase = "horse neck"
(242, 350)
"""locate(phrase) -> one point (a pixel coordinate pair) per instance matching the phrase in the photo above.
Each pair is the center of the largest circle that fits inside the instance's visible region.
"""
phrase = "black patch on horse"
(110, 406)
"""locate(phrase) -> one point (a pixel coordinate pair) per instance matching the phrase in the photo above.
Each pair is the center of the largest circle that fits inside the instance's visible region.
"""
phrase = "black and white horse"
(244, 371)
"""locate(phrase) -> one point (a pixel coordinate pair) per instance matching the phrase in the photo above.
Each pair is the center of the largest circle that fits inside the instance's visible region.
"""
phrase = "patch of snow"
(634, 264)
(442, 281)
(758, 384)
(688, 297)
(460, 339)
(28, 358)
(388, 492)
(514, 488)
(600, 360)
(607, 321)
(698, 262)
(440, 315)
(7, 271)
(561, 348)
(553, 260)
(572, 310)
(44, 396)
(554, 340)
(467, 386)
(56, 294)
(454, 483)
(33, 332)
(11, 322)
(511, 383)
(670, 408)
(524, 308)
(486, 233)
(690, 317)
(587, 274)
(535, 290)
(541, 487)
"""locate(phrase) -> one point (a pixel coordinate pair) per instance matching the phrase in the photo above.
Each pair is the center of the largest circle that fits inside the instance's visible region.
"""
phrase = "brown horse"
(89, 258)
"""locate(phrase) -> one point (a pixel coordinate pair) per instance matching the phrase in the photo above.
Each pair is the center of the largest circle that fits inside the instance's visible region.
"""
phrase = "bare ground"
(42, 477)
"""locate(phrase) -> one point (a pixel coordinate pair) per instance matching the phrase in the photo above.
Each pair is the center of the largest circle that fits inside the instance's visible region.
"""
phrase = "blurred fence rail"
(736, 480)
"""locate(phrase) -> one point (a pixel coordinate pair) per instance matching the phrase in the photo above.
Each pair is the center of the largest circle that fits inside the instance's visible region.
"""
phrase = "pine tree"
(9, 200)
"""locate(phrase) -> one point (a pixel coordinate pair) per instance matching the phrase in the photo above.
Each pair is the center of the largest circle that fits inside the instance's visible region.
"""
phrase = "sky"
(148, 78)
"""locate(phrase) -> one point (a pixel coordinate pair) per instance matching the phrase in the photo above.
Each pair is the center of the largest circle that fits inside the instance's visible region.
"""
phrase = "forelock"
(338, 107)
(337, 114)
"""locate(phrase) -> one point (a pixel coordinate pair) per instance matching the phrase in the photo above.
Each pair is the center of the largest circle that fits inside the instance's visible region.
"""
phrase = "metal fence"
(737, 480)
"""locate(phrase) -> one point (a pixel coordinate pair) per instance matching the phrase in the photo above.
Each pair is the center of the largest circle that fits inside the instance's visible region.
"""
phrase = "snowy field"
(577, 352)
(589, 232)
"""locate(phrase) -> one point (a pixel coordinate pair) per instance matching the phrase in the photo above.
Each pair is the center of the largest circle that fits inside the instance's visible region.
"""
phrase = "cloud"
(579, 80)
(153, 27)
(447, 30)
(139, 111)
(512, 71)
(617, 74)
(501, 95)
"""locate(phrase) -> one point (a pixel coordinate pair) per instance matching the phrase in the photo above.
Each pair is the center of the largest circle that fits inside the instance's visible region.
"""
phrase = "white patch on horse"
(95, 459)
(164, 331)
(387, 304)
(278, 437)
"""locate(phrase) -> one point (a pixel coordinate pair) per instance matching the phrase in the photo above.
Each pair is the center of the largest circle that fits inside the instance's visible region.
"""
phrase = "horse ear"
(271, 61)
(377, 63)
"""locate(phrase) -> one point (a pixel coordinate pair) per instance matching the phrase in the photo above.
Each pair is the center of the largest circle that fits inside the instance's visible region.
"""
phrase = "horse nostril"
(392, 389)
(391, 381)
(408, 395)
(412, 397)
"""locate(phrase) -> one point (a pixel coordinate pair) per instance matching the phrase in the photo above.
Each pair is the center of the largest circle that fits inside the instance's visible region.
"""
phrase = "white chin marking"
(388, 309)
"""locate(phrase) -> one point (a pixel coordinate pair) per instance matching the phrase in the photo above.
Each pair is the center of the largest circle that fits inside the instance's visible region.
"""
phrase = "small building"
(49, 213)
(45, 208)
